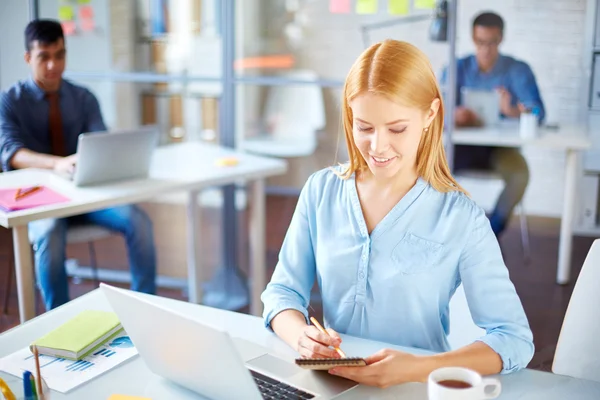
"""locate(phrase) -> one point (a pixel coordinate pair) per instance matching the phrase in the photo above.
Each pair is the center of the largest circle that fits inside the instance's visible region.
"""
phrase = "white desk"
(187, 166)
(134, 378)
(571, 140)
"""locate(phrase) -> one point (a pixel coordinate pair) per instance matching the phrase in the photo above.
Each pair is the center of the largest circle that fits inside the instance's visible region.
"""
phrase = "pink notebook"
(42, 197)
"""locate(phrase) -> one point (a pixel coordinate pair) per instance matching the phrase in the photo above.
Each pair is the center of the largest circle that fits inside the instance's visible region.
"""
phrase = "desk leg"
(566, 225)
(24, 273)
(257, 245)
(193, 248)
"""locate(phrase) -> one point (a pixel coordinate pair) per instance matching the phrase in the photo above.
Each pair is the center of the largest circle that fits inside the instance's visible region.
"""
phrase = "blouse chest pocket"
(415, 255)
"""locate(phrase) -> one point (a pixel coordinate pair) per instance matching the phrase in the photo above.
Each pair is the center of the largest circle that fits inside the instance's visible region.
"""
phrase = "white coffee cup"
(528, 125)
(478, 388)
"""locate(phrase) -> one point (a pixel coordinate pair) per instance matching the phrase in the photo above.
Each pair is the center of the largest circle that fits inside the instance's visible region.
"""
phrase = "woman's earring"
(426, 129)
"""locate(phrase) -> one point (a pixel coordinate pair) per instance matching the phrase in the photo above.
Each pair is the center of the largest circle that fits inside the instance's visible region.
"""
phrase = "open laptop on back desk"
(113, 156)
(208, 361)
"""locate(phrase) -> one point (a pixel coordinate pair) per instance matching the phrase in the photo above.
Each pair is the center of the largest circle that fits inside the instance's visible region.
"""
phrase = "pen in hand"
(320, 328)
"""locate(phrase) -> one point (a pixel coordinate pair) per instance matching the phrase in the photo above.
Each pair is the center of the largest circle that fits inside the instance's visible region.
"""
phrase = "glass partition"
(181, 115)
(140, 36)
(14, 16)
(147, 61)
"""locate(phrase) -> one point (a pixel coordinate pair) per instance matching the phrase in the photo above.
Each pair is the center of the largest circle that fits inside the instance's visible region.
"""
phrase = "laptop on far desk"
(115, 155)
(207, 361)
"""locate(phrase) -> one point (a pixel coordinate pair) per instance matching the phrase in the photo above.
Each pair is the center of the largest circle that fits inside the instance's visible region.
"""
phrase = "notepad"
(44, 196)
(328, 363)
(80, 336)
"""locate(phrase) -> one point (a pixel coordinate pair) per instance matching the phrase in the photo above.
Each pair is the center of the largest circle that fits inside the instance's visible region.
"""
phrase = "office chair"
(76, 234)
(488, 175)
(578, 349)
(293, 116)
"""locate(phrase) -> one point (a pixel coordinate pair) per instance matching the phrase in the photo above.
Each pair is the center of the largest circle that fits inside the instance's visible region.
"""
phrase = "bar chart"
(64, 375)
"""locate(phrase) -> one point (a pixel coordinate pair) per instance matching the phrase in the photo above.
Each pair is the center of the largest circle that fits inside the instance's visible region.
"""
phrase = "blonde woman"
(391, 235)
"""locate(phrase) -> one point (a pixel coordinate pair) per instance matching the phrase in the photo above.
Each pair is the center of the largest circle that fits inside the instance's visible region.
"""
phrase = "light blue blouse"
(395, 284)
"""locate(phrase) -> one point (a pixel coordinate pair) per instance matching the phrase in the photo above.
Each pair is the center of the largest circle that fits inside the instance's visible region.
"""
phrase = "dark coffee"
(455, 384)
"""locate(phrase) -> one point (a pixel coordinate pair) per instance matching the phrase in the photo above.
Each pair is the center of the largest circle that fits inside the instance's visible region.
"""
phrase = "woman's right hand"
(312, 343)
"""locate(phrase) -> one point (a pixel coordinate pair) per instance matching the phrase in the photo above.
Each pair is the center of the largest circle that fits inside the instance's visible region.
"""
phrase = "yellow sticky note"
(227, 161)
(65, 13)
(425, 4)
(366, 6)
(124, 397)
(398, 7)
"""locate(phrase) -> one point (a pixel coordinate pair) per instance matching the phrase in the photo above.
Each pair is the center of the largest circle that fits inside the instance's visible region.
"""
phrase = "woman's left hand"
(385, 368)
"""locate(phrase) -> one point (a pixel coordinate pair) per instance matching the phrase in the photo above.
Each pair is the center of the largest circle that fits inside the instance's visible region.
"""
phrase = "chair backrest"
(295, 112)
(86, 233)
(578, 349)
(463, 330)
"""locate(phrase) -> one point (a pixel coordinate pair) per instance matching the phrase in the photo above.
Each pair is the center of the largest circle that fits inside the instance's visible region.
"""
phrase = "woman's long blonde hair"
(403, 74)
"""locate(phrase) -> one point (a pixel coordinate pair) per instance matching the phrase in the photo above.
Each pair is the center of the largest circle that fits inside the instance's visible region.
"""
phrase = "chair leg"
(93, 263)
(524, 234)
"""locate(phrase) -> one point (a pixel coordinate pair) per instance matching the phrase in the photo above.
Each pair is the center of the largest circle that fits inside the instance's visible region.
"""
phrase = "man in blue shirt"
(488, 69)
(40, 121)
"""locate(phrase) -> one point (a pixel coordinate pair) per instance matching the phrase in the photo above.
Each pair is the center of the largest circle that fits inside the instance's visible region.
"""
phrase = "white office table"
(572, 140)
(187, 167)
(134, 378)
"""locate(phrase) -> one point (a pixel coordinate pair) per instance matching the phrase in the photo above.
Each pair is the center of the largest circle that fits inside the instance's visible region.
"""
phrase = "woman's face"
(388, 134)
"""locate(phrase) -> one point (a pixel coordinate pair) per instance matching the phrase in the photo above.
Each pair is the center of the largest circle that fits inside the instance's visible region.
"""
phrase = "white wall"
(14, 16)
(548, 34)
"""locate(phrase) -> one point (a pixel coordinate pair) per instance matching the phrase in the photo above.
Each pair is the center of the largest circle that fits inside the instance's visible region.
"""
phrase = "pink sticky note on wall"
(87, 25)
(68, 27)
(86, 12)
(339, 6)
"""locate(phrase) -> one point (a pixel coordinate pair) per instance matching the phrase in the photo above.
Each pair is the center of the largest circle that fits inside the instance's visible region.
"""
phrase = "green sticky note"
(83, 1)
(366, 6)
(428, 4)
(66, 13)
(398, 7)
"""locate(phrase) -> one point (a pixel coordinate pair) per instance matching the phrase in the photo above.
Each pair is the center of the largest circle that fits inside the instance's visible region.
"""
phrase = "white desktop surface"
(175, 167)
(134, 378)
(507, 135)
(189, 167)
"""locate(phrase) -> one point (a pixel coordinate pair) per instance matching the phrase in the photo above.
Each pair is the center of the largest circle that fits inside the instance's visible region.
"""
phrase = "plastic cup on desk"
(46, 390)
(528, 125)
(456, 383)
(16, 386)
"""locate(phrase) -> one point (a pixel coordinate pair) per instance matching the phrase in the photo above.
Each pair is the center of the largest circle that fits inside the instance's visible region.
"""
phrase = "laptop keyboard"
(273, 389)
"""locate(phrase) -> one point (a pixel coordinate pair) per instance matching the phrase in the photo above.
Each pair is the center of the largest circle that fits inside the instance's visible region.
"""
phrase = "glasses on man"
(487, 43)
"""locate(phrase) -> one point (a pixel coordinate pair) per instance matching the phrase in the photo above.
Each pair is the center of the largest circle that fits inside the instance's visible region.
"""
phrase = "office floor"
(544, 301)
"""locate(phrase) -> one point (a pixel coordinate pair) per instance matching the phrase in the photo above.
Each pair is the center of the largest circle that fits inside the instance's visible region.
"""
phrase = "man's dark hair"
(45, 31)
(489, 20)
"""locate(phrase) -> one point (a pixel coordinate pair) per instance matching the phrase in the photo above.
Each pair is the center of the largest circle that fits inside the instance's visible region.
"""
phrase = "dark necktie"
(57, 139)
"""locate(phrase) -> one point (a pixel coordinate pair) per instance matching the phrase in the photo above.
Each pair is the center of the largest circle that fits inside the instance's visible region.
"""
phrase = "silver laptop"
(208, 361)
(484, 103)
(114, 155)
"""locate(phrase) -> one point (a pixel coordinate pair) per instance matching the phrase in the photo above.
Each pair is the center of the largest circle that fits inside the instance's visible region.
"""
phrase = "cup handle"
(495, 383)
